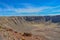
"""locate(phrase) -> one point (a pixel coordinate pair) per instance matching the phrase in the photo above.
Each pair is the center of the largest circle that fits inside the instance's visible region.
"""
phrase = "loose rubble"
(9, 34)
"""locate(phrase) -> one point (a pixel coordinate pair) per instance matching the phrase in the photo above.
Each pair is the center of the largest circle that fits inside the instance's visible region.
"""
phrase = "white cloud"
(31, 9)
(25, 10)
(28, 8)
(56, 10)
(54, 14)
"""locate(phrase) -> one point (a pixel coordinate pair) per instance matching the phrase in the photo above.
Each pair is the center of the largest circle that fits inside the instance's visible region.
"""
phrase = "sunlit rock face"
(46, 26)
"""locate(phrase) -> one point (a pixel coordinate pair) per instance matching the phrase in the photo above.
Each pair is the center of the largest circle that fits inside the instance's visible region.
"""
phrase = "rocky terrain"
(30, 28)
(9, 34)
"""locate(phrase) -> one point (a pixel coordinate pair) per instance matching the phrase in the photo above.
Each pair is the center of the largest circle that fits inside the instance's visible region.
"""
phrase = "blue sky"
(29, 7)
